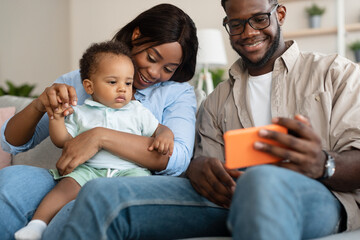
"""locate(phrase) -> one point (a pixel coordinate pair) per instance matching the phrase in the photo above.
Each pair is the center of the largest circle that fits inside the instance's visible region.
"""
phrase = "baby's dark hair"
(92, 55)
(270, 1)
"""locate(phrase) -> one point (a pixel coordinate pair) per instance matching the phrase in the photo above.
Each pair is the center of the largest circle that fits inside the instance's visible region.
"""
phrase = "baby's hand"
(59, 112)
(163, 143)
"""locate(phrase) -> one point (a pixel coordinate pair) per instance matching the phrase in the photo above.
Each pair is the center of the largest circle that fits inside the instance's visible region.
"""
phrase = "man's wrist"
(329, 166)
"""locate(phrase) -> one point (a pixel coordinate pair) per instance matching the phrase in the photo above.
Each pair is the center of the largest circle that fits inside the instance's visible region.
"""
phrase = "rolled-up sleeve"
(41, 132)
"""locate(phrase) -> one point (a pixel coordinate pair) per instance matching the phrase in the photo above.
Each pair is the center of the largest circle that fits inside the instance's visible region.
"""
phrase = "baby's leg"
(65, 191)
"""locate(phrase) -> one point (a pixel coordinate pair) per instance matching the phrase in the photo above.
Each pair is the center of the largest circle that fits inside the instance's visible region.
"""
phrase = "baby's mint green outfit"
(132, 118)
(84, 173)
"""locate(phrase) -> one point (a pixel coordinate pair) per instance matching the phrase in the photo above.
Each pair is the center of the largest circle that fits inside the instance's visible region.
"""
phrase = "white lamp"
(211, 53)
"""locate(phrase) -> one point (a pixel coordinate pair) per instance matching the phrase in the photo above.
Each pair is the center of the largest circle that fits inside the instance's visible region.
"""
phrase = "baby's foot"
(32, 231)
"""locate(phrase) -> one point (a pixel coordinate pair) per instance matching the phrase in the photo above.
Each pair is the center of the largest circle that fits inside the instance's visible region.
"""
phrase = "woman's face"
(155, 64)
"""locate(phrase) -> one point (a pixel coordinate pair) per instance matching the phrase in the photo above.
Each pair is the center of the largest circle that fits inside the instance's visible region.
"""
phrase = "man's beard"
(267, 55)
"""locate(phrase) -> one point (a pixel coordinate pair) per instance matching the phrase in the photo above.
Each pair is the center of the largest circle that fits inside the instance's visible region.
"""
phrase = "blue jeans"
(21, 190)
(269, 203)
(154, 207)
(275, 203)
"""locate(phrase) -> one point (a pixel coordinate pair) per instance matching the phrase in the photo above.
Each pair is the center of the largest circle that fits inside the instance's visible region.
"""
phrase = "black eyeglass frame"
(226, 21)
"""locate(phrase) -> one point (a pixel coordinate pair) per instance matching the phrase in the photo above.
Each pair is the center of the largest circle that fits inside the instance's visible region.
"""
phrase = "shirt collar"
(290, 55)
(146, 91)
(93, 103)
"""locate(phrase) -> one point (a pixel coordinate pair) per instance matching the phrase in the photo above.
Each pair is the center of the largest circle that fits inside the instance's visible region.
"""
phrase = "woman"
(164, 46)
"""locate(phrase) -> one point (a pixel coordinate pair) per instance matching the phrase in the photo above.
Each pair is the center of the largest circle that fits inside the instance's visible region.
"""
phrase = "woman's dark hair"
(165, 23)
(92, 56)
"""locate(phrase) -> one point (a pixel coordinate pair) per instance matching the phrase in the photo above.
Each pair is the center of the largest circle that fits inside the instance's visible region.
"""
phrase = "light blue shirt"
(172, 103)
(132, 118)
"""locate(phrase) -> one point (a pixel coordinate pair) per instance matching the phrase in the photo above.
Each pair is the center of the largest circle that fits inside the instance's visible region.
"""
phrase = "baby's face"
(112, 81)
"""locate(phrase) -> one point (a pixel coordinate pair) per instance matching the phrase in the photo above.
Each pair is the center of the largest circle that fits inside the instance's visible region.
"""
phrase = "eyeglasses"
(258, 22)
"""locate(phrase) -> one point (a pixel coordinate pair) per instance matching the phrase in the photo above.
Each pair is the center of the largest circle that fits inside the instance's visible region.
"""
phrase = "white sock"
(32, 231)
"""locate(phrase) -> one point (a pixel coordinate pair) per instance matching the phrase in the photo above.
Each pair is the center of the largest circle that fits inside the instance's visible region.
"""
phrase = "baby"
(107, 73)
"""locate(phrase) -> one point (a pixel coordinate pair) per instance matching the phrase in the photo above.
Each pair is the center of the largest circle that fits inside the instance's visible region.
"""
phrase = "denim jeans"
(269, 203)
(275, 203)
(21, 190)
(155, 207)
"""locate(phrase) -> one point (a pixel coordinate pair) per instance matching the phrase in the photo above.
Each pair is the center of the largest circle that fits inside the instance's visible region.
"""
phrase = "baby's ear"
(88, 86)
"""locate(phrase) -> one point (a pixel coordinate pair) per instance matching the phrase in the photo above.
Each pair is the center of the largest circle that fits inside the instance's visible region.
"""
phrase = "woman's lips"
(144, 79)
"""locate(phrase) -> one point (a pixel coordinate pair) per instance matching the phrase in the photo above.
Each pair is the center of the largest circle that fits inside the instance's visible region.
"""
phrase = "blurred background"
(43, 39)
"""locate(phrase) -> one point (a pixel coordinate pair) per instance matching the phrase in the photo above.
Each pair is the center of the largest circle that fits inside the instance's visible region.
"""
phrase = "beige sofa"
(46, 154)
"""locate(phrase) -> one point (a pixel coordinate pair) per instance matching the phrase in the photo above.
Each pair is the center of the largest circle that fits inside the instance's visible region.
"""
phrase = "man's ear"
(281, 14)
(136, 34)
(88, 86)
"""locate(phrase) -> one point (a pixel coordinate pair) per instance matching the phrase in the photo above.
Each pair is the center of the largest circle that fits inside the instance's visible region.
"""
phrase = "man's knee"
(263, 175)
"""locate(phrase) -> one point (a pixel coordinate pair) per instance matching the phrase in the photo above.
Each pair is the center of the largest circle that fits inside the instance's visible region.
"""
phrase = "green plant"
(355, 45)
(314, 10)
(217, 76)
(23, 90)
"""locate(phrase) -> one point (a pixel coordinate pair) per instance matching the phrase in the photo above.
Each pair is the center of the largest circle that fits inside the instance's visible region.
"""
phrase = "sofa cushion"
(13, 101)
(5, 114)
(43, 155)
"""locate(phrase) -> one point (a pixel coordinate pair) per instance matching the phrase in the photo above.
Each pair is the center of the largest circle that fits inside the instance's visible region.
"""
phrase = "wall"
(34, 37)
(296, 19)
(42, 39)
(90, 25)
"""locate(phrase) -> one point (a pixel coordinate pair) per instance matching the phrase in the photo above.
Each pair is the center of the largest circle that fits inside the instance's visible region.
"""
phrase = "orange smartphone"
(239, 147)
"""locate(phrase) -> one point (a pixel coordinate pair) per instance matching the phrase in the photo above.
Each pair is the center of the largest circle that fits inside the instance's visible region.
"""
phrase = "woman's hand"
(210, 179)
(21, 126)
(78, 150)
(302, 147)
(54, 96)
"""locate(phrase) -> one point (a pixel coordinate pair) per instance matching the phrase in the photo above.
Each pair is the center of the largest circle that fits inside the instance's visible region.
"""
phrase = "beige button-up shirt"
(324, 88)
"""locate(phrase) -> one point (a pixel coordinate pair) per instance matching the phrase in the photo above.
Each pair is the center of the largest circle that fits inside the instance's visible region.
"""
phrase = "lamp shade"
(211, 48)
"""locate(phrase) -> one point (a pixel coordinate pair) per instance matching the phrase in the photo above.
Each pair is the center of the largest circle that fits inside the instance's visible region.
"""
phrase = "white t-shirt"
(132, 118)
(259, 96)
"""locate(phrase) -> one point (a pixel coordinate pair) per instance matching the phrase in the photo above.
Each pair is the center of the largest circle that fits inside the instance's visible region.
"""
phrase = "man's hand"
(303, 150)
(77, 151)
(210, 179)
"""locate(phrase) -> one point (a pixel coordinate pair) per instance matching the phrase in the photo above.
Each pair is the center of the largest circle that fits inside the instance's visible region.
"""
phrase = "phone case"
(239, 147)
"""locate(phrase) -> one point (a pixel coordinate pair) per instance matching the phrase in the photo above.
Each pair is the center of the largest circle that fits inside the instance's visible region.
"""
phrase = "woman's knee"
(25, 182)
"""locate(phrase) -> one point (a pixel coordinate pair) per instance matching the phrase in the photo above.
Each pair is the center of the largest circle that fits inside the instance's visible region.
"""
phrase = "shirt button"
(317, 98)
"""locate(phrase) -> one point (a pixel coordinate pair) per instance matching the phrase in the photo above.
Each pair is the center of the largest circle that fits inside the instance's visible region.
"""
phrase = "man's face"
(256, 47)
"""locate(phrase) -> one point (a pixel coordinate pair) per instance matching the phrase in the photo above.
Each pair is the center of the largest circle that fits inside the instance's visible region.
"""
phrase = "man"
(299, 198)
(274, 79)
